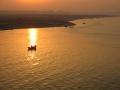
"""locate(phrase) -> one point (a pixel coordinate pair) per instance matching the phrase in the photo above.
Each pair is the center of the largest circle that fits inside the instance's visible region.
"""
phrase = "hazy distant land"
(8, 22)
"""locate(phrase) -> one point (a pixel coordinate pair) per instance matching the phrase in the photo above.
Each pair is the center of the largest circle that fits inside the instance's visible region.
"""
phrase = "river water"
(84, 57)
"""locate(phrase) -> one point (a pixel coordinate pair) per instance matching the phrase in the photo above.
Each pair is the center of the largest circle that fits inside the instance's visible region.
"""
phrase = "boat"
(83, 23)
(32, 48)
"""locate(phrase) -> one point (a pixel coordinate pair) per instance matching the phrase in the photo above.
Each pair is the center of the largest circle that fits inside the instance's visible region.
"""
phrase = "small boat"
(66, 26)
(32, 47)
(83, 23)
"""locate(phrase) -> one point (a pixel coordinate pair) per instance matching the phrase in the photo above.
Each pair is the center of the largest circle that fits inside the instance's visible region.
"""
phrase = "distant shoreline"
(10, 22)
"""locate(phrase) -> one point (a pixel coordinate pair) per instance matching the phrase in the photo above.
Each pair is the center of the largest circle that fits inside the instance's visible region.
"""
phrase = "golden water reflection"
(32, 36)
(31, 54)
(32, 58)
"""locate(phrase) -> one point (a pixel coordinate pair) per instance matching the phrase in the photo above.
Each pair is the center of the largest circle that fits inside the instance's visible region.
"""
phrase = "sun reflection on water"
(32, 58)
(32, 54)
(32, 36)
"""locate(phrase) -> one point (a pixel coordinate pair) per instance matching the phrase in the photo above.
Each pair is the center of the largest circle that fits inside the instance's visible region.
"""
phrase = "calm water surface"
(86, 57)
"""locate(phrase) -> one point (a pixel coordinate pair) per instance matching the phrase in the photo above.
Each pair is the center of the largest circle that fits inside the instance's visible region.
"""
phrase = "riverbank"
(8, 22)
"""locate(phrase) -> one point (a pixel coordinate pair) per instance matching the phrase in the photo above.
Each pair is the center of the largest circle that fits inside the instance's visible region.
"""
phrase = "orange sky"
(83, 6)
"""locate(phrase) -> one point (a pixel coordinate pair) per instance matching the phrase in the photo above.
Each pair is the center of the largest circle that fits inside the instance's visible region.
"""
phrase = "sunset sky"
(80, 6)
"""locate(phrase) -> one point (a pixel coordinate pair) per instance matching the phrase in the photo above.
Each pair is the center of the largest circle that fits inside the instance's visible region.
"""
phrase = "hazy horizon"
(72, 6)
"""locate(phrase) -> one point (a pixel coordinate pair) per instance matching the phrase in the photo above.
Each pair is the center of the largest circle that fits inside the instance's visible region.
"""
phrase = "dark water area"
(86, 57)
